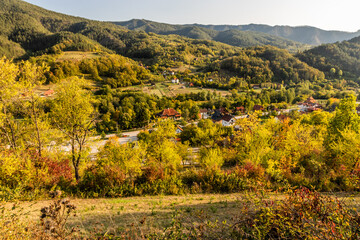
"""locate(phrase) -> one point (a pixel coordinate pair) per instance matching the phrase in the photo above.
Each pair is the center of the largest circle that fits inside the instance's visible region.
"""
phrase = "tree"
(73, 114)
(332, 72)
(9, 93)
(127, 157)
(30, 76)
(161, 150)
(345, 117)
(211, 158)
(340, 73)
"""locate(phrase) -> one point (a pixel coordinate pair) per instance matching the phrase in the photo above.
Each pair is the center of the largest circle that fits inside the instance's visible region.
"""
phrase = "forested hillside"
(30, 31)
(268, 64)
(336, 60)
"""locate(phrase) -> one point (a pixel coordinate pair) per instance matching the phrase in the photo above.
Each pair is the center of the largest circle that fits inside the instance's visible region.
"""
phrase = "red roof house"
(49, 93)
(310, 100)
(169, 113)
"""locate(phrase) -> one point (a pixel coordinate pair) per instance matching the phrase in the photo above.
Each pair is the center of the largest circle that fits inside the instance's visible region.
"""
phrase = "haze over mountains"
(302, 34)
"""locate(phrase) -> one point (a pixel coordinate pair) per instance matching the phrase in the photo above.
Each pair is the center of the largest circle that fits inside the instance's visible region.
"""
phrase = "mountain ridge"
(303, 34)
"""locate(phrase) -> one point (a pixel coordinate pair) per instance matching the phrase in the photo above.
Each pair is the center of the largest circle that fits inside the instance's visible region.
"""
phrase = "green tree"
(345, 118)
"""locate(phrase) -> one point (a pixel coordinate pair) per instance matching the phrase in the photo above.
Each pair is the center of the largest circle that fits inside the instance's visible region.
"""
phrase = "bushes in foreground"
(303, 214)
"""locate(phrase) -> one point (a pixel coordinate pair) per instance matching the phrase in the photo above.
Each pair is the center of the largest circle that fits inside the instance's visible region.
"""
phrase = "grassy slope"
(115, 215)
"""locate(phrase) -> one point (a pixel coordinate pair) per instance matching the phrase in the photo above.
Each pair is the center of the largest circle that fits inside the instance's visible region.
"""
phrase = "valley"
(146, 130)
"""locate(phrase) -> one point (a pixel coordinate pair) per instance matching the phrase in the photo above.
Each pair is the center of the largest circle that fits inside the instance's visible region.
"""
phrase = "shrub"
(304, 214)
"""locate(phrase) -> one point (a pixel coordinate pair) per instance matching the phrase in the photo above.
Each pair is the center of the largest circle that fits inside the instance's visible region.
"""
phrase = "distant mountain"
(27, 30)
(344, 56)
(233, 37)
(302, 34)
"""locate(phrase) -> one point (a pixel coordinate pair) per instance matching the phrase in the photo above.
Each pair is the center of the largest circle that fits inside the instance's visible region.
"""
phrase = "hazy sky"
(326, 14)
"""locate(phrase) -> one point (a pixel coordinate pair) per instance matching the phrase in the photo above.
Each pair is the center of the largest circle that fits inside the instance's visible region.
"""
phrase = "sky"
(326, 14)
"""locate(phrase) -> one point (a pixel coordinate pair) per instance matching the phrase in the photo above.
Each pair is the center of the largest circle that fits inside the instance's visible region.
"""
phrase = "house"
(175, 81)
(309, 105)
(310, 100)
(256, 86)
(179, 130)
(48, 93)
(227, 120)
(204, 113)
(210, 80)
(239, 110)
(223, 110)
(217, 116)
(313, 109)
(258, 108)
(191, 85)
(169, 113)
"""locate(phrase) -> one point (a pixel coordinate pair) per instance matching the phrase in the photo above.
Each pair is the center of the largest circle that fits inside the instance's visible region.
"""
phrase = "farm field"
(171, 89)
(77, 56)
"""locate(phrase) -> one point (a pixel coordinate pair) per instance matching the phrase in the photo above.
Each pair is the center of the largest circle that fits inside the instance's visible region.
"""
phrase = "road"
(96, 142)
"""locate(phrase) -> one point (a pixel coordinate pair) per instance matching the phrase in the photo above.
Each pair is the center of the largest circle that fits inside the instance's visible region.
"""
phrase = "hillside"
(27, 30)
(233, 37)
(30, 31)
(302, 34)
(265, 64)
(344, 56)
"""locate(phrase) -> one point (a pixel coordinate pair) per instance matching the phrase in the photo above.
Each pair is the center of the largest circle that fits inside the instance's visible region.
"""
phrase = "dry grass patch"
(151, 214)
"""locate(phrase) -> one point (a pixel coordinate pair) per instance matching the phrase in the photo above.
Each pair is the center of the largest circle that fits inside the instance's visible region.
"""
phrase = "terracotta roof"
(49, 92)
(169, 112)
(204, 110)
(310, 100)
(312, 109)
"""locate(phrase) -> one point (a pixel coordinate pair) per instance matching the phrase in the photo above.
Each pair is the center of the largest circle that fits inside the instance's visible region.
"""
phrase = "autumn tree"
(9, 94)
(161, 149)
(30, 76)
(126, 157)
(73, 114)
